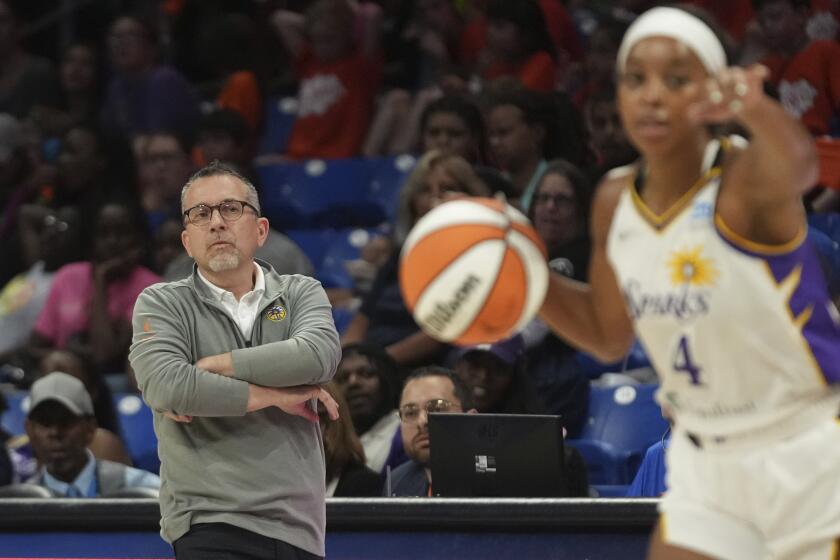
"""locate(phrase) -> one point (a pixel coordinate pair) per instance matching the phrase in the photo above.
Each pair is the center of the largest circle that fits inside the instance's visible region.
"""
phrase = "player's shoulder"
(616, 180)
(611, 187)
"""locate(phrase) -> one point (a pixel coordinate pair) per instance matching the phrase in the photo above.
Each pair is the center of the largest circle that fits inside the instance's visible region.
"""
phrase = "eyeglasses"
(559, 200)
(229, 210)
(410, 413)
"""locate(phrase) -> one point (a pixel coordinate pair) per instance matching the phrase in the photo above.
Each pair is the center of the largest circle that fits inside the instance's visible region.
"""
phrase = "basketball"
(473, 271)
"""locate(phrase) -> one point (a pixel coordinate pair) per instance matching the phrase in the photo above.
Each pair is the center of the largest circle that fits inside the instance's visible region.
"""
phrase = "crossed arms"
(285, 374)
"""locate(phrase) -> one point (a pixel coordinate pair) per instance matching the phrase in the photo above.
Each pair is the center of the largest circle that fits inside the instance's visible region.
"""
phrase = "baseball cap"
(508, 350)
(64, 388)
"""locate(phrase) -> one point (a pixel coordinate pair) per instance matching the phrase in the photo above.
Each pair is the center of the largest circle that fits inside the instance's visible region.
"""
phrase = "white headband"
(676, 24)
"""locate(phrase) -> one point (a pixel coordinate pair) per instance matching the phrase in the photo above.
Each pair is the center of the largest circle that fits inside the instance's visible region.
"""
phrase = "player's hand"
(221, 364)
(730, 93)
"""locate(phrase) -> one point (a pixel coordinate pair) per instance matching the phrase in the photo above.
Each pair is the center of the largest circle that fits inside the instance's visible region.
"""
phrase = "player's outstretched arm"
(762, 184)
(593, 316)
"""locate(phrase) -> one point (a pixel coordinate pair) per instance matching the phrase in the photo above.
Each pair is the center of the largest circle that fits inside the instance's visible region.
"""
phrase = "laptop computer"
(496, 455)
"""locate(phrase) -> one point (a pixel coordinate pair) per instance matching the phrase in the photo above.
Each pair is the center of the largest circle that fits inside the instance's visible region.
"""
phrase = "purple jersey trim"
(821, 332)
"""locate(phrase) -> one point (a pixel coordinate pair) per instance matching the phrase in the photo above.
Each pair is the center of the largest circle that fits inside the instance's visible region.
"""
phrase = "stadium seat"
(605, 465)
(15, 416)
(342, 317)
(626, 416)
(317, 194)
(345, 245)
(593, 368)
(611, 490)
(138, 431)
(622, 423)
(827, 223)
(280, 116)
(313, 242)
(26, 491)
(387, 177)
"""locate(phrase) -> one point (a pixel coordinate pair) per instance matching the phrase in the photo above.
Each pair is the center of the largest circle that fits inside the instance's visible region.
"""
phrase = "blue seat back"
(345, 245)
(593, 368)
(342, 317)
(280, 114)
(313, 242)
(611, 490)
(317, 194)
(626, 417)
(388, 174)
(14, 417)
(604, 463)
(138, 431)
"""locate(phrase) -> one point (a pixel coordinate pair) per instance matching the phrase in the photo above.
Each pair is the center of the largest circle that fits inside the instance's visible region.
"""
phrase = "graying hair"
(217, 168)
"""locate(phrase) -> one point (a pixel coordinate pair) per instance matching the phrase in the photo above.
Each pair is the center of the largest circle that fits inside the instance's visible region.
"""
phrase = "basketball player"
(699, 250)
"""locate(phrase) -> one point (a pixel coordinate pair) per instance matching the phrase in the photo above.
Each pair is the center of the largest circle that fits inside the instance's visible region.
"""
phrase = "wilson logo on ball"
(444, 311)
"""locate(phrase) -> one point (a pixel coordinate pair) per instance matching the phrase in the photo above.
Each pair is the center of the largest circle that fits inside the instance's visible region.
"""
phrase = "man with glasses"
(429, 389)
(231, 359)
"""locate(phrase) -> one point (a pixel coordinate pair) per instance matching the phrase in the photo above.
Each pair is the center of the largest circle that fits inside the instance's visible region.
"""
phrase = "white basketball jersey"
(742, 335)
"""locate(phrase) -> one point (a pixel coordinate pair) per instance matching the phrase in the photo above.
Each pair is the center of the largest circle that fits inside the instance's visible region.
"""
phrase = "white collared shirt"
(244, 312)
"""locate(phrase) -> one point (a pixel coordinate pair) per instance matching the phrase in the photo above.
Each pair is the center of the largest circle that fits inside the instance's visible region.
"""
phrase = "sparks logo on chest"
(690, 275)
(276, 313)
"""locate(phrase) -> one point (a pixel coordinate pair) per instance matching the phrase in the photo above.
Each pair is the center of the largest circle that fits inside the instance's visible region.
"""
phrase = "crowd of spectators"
(101, 126)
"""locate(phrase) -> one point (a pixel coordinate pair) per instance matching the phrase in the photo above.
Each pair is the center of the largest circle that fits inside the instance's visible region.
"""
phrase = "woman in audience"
(454, 124)
(383, 318)
(91, 302)
(49, 239)
(368, 379)
(559, 212)
(347, 475)
(525, 132)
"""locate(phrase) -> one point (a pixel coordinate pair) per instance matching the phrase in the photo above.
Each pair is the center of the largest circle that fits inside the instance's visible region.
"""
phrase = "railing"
(409, 528)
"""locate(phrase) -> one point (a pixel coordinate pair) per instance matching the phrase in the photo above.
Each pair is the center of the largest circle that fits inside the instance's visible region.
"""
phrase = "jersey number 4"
(684, 363)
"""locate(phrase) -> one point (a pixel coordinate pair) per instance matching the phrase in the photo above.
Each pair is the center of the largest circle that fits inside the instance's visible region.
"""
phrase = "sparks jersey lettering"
(741, 335)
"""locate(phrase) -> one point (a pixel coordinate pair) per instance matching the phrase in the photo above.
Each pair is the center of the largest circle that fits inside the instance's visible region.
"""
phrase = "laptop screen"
(496, 455)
